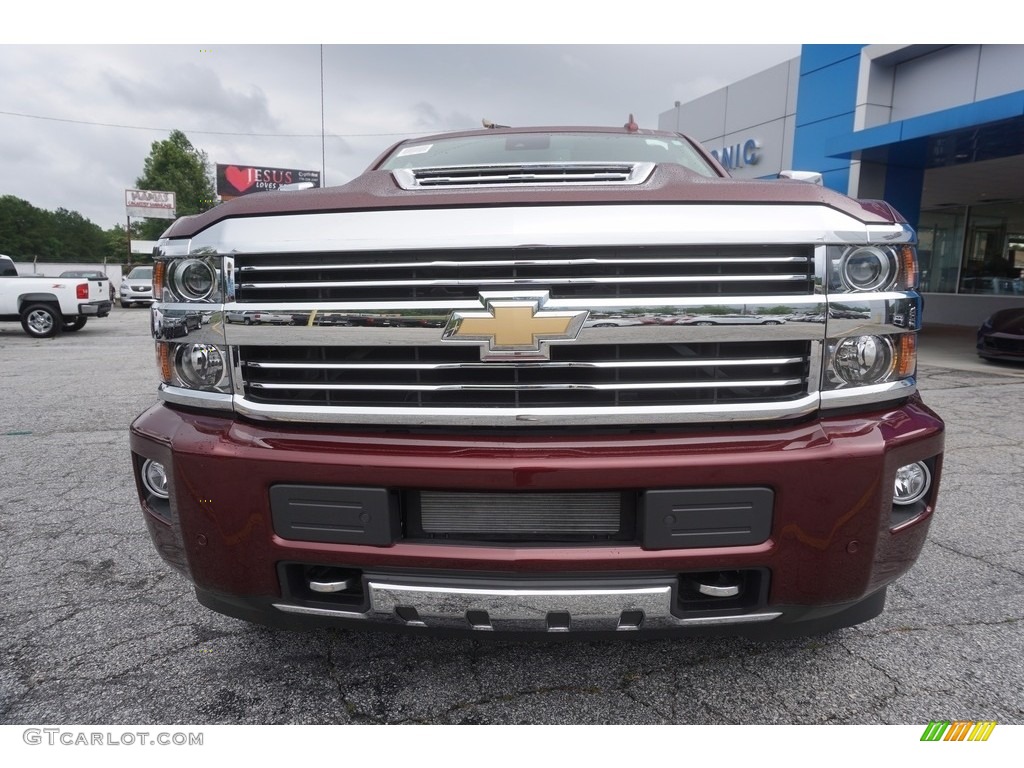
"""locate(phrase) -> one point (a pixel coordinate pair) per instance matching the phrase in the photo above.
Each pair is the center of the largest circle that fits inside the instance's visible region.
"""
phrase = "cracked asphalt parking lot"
(96, 629)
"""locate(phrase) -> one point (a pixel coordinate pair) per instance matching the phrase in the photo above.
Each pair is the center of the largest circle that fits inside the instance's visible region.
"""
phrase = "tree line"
(174, 165)
(28, 233)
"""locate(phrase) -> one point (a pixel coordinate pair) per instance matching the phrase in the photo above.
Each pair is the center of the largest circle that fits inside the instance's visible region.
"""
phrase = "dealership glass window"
(993, 260)
(979, 249)
(941, 236)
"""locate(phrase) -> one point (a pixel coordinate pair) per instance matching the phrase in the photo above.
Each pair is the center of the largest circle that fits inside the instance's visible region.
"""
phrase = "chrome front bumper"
(525, 610)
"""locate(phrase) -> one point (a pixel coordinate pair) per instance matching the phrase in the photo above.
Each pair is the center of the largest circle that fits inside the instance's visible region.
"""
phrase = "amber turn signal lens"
(908, 266)
(163, 361)
(906, 355)
(158, 279)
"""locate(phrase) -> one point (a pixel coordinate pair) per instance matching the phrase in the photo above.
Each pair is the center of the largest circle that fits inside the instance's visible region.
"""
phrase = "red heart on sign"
(238, 178)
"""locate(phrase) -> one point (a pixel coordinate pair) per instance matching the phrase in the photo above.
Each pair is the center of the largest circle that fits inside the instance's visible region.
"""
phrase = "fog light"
(913, 481)
(200, 366)
(154, 477)
(864, 359)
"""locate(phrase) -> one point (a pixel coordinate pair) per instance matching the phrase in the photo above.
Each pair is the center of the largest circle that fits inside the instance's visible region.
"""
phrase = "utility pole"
(323, 135)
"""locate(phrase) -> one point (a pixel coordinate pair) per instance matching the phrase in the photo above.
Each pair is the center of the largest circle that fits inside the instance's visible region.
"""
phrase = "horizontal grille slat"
(515, 281)
(474, 178)
(523, 365)
(525, 387)
(588, 273)
(295, 267)
(523, 174)
(577, 375)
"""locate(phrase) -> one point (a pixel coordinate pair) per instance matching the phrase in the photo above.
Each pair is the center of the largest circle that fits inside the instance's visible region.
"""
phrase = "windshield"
(520, 148)
(141, 273)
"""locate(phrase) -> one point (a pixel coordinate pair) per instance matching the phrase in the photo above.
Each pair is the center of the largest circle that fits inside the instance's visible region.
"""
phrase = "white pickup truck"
(48, 305)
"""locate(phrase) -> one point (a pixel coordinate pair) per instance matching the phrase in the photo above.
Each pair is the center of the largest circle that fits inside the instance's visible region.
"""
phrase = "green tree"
(116, 242)
(78, 239)
(27, 232)
(22, 227)
(174, 165)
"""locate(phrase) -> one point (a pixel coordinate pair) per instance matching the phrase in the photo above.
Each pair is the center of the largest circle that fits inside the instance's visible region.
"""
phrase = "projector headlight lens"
(194, 280)
(867, 268)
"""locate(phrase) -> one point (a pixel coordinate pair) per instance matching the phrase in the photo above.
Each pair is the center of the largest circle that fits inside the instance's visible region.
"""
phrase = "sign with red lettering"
(149, 203)
(238, 180)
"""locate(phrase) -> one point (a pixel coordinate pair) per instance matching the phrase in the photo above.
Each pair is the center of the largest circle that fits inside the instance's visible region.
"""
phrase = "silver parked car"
(137, 288)
(731, 320)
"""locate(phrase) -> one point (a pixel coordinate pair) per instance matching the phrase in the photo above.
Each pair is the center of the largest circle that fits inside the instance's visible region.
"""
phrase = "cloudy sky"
(77, 122)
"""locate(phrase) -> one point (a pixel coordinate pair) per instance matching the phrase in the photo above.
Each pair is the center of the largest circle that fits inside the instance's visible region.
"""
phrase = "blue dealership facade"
(937, 130)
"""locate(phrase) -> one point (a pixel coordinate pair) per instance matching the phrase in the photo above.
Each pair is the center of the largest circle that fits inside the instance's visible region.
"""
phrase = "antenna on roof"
(631, 125)
(491, 124)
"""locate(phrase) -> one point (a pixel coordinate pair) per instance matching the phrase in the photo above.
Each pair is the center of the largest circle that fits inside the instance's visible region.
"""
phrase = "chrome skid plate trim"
(525, 610)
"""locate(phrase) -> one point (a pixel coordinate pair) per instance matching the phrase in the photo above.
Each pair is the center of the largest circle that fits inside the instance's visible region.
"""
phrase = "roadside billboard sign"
(237, 180)
(150, 203)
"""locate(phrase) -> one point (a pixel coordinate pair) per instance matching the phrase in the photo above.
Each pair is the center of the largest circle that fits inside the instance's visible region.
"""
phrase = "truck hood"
(376, 190)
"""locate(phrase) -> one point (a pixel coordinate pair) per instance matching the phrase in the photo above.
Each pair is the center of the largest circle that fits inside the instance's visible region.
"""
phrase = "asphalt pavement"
(96, 629)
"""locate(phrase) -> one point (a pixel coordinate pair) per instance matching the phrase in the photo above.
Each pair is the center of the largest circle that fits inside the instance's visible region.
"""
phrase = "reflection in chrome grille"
(582, 273)
(579, 375)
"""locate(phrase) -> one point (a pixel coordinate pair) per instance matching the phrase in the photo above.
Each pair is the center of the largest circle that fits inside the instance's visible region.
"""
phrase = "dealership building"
(936, 130)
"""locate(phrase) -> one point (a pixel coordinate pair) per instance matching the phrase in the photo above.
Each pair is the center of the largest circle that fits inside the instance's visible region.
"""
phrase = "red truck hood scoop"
(526, 174)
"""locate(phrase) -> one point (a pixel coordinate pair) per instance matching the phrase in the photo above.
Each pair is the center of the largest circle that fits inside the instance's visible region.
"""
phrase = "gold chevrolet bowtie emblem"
(514, 326)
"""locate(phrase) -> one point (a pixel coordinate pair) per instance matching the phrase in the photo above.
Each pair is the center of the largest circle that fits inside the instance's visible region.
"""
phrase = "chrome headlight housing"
(188, 280)
(867, 268)
(196, 366)
(870, 360)
(870, 351)
(194, 361)
(861, 360)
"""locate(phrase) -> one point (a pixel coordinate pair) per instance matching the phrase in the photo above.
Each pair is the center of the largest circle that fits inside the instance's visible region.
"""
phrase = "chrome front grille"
(620, 314)
(375, 337)
(577, 375)
(621, 273)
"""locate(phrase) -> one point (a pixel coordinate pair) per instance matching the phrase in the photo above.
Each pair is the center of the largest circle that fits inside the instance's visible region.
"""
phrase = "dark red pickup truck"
(542, 456)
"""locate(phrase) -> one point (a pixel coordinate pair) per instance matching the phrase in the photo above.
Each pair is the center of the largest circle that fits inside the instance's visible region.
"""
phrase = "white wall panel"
(1000, 71)
(758, 99)
(938, 81)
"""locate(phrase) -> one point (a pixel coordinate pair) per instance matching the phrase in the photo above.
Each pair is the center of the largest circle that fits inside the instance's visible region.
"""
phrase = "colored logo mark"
(514, 325)
(958, 730)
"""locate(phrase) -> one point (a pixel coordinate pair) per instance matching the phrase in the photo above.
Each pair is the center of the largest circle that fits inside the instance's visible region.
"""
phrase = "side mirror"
(812, 177)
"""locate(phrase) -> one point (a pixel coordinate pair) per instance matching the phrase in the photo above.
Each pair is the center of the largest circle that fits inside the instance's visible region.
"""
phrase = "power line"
(208, 133)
